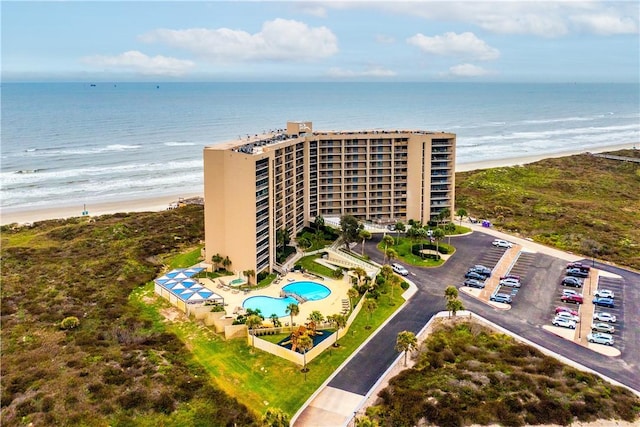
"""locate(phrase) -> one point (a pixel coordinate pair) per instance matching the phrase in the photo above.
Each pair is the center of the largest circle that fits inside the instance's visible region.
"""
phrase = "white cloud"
(139, 62)
(547, 19)
(373, 71)
(467, 70)
(452, 44)
(278, 40)
(605, 24)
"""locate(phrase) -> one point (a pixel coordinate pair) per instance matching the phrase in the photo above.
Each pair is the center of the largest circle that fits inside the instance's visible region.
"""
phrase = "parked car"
(600, 338)
(481, 269)
(512, 283)
(510, 276)
(576, 272)
(604, 316)
(391, 227)
(474, 275)
(473, 283)
(570, 292)
(501, 298)
(564, 323)
(604, 302)
(575, 299)
(572, 281)
(483, 273)
(604, 293)
(566, 309)
(399, 269)
(603, 327)
(579, 265)
(567, 315)
(502, 243)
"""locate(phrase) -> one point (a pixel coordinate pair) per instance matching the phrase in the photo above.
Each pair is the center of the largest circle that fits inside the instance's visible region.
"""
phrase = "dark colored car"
(474, 275)
(575, 299)
(579, 265)
(473, 283)
(604, 302)
(572, 281)
(576, 272)
(481, 269)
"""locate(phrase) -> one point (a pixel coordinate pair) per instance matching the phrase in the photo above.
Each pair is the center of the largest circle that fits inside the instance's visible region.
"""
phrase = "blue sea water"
(73, 143)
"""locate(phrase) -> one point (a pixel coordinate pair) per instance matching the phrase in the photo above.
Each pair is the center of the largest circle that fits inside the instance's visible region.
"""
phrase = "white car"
(564, 323)
(600, 338)
(399, 269)
(603, 316)
(512, 283)
(502, 244)
(567, 315)
(603, 293)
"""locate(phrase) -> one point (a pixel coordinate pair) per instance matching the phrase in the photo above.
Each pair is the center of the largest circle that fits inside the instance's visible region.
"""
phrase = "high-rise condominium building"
(285, 179)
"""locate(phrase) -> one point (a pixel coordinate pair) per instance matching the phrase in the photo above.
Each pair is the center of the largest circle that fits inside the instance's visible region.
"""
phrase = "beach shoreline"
(160, 203)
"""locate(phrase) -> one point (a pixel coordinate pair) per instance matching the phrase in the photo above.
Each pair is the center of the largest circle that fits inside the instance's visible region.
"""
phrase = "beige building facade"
(264, 183)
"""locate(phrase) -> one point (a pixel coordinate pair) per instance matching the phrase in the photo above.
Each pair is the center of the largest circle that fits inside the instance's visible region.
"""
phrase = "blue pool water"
(310, 291)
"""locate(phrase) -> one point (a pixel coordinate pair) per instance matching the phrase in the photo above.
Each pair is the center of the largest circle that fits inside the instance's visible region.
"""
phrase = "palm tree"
(318, 222)
(364, 235)
(400, 227)
(391, 254)
(340, 321)
(386, 272)
(275, 417)
(352, 293)
(275, 320)
(360, 273)
(388, 241)
(316, 317)
(250, 274)
(406, 341)
(216, 259)
(395, 280)
(253, 322)
(370, 305)
(226, 263)
(438, 234)
(293, 309)
(451, 293)
(304, 243)
(461, 213)
(444, 214)
(305, 343)
(454, 306)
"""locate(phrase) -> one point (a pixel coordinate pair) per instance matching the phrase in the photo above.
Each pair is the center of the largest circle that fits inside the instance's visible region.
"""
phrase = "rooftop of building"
(254, 144)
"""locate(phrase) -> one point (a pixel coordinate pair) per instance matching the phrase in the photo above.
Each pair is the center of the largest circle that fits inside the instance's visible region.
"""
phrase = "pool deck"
(332, 304)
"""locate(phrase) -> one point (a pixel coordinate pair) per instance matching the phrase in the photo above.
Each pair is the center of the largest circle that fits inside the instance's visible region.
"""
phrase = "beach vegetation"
(565, 202)
(80, 352)
(466, 373)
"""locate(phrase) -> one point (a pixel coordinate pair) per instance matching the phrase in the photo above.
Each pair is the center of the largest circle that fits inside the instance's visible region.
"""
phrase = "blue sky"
(500, 41)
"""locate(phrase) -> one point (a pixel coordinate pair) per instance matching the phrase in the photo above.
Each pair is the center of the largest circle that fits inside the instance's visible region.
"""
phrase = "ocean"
(69, 144)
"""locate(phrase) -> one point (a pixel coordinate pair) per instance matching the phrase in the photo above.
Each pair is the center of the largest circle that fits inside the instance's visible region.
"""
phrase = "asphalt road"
(531, 309)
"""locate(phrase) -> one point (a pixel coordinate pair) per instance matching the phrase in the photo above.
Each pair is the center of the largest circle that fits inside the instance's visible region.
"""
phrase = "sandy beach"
(22, 216)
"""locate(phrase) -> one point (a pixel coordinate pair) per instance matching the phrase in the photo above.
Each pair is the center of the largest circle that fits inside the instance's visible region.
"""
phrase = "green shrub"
(70, 322)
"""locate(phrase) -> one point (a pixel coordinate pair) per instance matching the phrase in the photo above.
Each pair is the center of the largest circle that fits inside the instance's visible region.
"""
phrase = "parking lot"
(541, 270)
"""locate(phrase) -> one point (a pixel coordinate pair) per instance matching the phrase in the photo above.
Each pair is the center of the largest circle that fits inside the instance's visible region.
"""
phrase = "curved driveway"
(532, 308)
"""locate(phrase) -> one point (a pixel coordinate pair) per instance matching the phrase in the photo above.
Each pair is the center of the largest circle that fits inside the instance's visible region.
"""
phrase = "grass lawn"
(258, 379)
(403, 248)
(309, 264)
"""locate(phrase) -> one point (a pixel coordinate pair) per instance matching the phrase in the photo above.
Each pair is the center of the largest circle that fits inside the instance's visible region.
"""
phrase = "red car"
(578, 265)
(575, 299)
(566, 310)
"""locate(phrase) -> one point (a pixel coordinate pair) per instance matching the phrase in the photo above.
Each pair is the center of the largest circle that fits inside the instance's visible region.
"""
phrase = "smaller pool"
(310, 291)
(236, 282)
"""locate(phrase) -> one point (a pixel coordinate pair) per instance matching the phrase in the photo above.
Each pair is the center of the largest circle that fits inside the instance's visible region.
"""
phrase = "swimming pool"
(311, 291)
